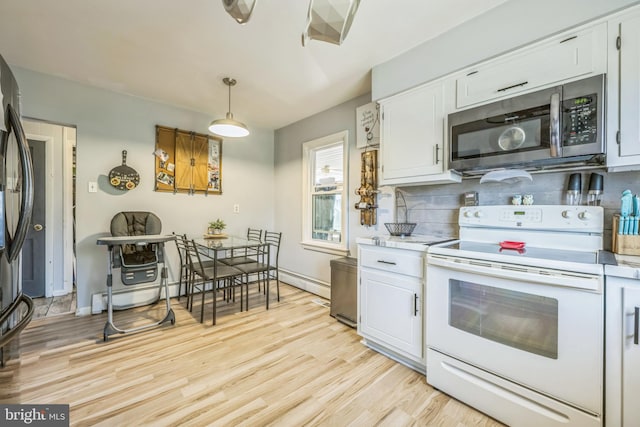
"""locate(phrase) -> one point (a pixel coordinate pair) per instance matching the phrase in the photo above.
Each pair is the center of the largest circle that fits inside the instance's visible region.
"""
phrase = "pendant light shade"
(240, 10)
(329, 20)
(228, 126)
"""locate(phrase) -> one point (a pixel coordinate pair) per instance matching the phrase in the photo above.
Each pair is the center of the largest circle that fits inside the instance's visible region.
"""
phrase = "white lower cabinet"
(622, 371)
(390, 303)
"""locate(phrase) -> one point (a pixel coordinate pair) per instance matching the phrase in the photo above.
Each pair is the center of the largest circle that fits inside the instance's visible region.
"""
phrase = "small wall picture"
(367, 125)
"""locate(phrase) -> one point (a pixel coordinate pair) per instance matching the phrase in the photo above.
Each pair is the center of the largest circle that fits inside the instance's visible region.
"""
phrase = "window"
(324, 224)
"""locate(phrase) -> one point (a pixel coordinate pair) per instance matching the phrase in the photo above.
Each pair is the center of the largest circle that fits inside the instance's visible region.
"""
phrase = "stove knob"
(468, 214)
(479, 214)
(567, 214)
(584, 216)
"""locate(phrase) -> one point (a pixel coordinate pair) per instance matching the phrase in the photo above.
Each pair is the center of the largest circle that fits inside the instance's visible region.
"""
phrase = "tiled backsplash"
(435, 207)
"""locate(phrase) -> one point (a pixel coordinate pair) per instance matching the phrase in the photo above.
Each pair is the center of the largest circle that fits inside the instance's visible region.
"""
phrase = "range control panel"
(542, 217)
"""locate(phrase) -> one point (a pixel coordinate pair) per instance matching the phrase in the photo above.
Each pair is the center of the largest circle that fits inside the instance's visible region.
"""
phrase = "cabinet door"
(631, 357)
(412, 132)
(630, 87)
(623, 93)
(391, 311)
(561, 58)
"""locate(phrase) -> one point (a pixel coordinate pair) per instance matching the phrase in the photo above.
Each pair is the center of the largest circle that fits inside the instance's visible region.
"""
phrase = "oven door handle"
(576, 280)
(555, 149)
(636, 324)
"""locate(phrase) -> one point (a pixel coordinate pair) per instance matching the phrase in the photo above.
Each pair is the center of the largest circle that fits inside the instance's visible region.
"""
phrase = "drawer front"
(410, 263)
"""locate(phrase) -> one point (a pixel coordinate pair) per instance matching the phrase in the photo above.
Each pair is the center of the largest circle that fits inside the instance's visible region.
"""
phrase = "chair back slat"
(254, 234)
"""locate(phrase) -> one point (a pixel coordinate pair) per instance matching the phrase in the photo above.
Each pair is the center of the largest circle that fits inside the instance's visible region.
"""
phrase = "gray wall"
(506, 27)
(288, 200)
(107, 123)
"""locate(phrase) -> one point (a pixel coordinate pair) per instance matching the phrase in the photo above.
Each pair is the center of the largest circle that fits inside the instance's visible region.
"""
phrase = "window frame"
(308, 173)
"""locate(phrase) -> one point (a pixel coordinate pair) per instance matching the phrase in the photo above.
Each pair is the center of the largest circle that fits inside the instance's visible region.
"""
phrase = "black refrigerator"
(16, 205)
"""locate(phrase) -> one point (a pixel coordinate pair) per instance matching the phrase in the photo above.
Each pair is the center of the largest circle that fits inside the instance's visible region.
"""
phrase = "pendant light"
(240, 10)
(228, 126)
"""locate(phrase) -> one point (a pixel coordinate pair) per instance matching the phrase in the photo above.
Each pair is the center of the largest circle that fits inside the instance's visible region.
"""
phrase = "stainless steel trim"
(27, 186)
(555, 149)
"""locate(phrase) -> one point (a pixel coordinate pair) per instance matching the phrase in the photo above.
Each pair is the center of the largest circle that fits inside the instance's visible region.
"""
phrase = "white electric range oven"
(515, 313)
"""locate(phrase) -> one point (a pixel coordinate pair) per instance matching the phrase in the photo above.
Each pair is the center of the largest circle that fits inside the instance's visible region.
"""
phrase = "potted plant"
(216, 227)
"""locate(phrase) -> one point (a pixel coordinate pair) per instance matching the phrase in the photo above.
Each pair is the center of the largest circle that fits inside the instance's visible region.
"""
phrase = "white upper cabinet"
(623, 87)
(571, 55)
(413, 146)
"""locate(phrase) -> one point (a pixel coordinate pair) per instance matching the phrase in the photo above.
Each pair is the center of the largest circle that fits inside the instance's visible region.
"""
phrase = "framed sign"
(368, 125)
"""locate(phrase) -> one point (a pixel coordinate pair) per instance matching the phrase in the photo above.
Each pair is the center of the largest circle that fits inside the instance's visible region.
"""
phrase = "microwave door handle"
(27, 186)
(554, 126)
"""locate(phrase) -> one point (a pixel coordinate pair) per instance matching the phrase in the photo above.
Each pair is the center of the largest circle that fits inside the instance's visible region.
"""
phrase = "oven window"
(525, 321)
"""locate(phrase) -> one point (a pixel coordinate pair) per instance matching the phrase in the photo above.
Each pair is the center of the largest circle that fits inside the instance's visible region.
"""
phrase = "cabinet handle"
(512, 86)
(636, 323)
(437, 152)
(386, 262)
(415, 305)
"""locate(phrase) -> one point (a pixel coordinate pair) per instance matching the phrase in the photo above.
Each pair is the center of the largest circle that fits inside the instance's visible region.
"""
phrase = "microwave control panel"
(580, 120)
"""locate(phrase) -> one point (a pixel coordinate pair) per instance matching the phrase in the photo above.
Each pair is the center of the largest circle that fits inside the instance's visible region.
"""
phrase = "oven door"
(543, 336)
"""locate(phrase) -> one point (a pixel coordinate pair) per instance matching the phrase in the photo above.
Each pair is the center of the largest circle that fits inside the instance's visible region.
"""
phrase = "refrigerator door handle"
(27, 186)
(18, 327)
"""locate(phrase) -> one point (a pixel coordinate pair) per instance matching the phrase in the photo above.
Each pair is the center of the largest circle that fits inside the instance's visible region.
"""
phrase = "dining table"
(219, 247)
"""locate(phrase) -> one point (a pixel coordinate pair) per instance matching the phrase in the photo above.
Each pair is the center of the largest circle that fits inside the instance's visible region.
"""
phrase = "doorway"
(48, 266)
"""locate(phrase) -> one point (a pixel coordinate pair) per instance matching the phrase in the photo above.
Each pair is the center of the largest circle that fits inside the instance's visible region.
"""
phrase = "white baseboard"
(129, 297)
(60, 293)
(83, 311)
(308, 284)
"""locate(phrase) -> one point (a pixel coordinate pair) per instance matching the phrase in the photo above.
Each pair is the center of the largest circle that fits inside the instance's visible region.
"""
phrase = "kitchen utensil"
(574, 189)
(626, 203)
(124, 177)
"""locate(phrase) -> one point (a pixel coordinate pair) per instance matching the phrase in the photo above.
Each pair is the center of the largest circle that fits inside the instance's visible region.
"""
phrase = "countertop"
(628, 267)
(415, 242)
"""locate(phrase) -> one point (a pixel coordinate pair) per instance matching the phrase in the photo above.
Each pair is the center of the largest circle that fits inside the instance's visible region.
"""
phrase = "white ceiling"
(178, 51)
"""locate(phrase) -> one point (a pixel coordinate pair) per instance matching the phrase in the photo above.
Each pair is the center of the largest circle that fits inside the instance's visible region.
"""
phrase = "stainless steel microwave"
(558, 126)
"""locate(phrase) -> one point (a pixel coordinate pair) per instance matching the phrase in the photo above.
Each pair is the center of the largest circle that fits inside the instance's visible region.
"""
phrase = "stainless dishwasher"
(344, 291)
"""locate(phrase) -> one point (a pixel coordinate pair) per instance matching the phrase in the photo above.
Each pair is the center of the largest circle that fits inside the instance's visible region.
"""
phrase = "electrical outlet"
(236, 208)
(93, 187)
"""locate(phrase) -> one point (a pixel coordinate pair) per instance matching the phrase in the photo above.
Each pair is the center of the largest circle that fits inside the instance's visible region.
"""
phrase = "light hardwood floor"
(292, 365)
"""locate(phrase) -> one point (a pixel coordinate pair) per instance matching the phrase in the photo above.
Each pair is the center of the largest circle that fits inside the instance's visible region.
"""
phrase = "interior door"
(33, 250)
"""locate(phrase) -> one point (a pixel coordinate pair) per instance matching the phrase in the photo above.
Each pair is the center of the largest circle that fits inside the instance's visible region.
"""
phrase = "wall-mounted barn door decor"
(187, 162)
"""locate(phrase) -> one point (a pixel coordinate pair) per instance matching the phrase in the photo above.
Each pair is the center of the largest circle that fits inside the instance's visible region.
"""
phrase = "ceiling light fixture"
(240, 10)
(329, 20)
(228, 126)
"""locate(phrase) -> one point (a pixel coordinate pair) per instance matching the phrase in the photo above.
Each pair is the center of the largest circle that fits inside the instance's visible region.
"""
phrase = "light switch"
(93, 187)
